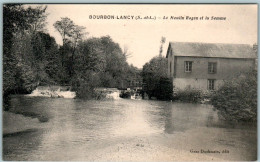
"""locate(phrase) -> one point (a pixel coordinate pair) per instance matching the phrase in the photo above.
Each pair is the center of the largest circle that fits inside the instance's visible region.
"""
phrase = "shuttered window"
(212, 67)
(211, 84)
(188, 66)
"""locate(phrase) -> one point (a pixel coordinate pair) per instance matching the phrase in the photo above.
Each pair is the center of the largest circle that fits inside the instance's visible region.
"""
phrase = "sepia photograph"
(129, 82)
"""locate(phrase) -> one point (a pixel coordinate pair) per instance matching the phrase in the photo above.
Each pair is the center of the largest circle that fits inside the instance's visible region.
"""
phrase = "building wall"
(190, 83)
(227, 68)
(170, 64)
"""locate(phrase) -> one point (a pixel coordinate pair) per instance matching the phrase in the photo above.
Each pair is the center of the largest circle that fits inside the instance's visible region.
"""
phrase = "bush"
(98, 95)
(189, 95)
(84, 91)
(164, 89)
(126, 94)
(152, 74)
(236, 100)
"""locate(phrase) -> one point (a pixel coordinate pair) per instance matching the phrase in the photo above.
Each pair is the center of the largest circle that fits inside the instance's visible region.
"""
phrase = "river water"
(124, 130)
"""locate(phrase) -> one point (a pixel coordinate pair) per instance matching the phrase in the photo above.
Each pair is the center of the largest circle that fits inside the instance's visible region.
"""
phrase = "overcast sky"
(142, 37)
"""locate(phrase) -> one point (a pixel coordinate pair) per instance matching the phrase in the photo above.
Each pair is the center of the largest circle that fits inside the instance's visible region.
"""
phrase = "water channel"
(124, 130)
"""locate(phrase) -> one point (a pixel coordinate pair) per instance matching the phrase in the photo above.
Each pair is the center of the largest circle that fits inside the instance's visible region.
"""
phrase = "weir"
(53, 91)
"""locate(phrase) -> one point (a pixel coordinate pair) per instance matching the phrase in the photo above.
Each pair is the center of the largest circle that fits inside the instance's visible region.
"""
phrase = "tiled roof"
(211, 50)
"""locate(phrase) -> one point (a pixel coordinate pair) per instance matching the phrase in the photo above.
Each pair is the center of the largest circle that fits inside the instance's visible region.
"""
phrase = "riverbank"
(16, 123)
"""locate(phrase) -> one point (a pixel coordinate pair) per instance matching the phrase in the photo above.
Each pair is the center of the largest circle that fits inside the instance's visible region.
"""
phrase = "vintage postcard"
(130, 82)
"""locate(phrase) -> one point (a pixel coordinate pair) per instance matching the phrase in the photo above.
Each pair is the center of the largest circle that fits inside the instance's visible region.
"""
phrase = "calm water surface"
(70, 127)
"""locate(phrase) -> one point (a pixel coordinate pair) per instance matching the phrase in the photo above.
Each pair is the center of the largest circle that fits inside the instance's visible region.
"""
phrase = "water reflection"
(185, 116)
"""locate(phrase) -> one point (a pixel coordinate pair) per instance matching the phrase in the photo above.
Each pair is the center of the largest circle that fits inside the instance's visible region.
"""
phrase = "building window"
(211, 84)
(188, 66)
(212, 67)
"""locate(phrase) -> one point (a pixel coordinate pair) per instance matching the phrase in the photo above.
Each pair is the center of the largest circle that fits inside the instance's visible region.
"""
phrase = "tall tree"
(64, 27)
(13, 20)
(100, 62)
(70, 32)
(36, 18)
(17, 23)
(116, 61)
(163, 39)
(71, 35)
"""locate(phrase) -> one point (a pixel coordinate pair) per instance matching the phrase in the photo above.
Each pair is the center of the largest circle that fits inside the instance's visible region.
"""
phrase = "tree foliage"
(164, 89)
(26, 49)
(163, 39)
(31, 57)
(99, 62)
(36, 18)
(71, 35)
(154, 73)
(236, 100)
(19, 26)
(70, 32)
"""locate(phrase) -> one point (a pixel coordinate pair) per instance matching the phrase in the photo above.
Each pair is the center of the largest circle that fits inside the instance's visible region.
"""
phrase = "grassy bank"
(15, 123)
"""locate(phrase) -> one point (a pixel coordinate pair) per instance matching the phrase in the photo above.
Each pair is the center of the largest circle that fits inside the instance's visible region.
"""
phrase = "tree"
(13, 20)
(163, 39)
(71, 35)
(236, 100)
(116, 62)
(17, 51)
(152, 72)
(70, 32)
(99, 62)
(164, 89)
(89, 56)
(126, 52)
(36, 18)
(17, 25)
(47, 59)
(64, 27)
(89, 64)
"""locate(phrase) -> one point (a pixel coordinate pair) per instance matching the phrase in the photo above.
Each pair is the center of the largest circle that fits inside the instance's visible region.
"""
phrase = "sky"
(142, 37)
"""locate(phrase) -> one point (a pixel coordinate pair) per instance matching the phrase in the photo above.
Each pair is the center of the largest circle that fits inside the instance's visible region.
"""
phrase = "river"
(124, 130)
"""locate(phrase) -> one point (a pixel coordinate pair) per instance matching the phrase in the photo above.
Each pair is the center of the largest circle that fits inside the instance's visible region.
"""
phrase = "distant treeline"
(31, 57)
